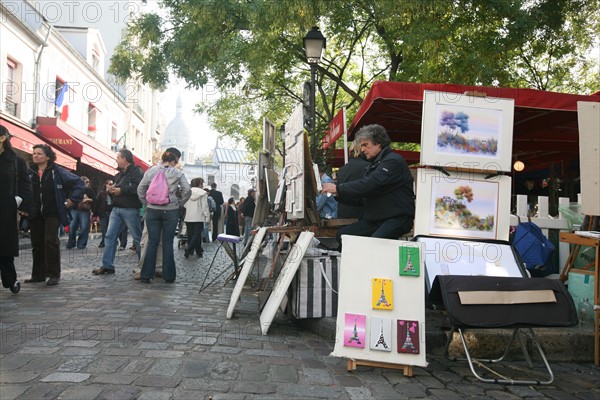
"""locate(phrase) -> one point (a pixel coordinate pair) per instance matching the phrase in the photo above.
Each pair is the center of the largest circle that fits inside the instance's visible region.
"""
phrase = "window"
(12, 91)
(96, 58)
(92, 115)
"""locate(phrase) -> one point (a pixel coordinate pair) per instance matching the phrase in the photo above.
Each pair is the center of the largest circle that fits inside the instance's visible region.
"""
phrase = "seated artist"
(386, 190)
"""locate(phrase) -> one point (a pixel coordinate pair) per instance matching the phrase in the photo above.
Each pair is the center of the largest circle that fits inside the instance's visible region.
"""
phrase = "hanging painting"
(408, 336)
(463, 131)
(408, 267)
(380, 334)
(355, 328)
(381, 294)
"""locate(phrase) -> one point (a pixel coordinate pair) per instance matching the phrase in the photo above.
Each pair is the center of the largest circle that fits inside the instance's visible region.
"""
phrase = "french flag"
(60, 97)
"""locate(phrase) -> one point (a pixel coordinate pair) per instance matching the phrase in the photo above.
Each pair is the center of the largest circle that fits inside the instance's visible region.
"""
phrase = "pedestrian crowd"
(151, 206)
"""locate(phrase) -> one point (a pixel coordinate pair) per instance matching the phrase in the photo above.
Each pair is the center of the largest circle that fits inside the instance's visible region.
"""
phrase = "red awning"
(545, 123)
(24, 140)
(141, 163)
(77, 144)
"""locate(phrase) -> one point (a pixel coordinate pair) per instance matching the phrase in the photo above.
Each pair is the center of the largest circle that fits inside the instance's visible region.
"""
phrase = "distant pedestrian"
(162, 219)
(102, 208)
(218, 214)
(15, 201)
(248, 212)
(125, 211)
(80, 218)
(232, 228)
(55, 191)
(197, 214)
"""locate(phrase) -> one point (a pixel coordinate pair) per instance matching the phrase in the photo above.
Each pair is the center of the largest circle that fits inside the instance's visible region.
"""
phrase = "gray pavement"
(111, 337)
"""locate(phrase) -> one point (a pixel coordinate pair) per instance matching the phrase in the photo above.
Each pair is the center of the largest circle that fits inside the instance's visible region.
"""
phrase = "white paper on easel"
(364, 259)
(288, 271)
(248, 264)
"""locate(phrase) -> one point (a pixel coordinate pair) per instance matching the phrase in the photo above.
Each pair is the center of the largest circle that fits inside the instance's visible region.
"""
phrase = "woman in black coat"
(232, 227)
(14, 181)
(103, 207)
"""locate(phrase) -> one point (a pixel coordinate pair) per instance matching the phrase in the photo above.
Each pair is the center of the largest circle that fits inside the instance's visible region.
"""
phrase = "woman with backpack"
(163, 189)
(196, 215)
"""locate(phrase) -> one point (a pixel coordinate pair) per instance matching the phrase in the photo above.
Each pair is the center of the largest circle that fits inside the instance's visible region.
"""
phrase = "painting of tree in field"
(468, 130)
(465, 208)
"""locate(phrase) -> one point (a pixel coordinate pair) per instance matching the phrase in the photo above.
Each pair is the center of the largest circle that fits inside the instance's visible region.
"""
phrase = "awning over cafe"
(77, 144)
(24, 139)
(141, 163)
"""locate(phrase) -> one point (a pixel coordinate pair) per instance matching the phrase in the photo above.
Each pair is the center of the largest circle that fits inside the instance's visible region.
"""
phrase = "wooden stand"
(579, 241)
(352, 363)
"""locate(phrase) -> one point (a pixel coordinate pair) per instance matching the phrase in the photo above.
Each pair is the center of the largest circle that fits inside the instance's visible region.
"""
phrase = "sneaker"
(103, 271)
(16, 287)
(52, 282)
(137, 274)
(144, 280)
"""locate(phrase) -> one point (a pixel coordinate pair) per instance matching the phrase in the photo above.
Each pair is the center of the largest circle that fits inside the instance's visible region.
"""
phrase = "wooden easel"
(578, 241)
(351, 365)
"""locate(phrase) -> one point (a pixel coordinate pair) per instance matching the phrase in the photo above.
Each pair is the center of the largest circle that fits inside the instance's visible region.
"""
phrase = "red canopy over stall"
(545, 123)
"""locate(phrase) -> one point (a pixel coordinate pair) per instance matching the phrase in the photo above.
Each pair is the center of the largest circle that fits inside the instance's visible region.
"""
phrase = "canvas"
(355, 328)
(408, 336)
(380, 334)
(407, 266)
(382, 294)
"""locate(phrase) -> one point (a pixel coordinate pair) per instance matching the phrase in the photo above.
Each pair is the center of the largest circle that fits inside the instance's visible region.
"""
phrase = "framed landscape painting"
(463, 131)
(462, 205)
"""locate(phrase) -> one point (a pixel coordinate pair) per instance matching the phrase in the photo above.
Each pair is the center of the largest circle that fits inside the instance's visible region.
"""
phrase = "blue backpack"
(534, 248)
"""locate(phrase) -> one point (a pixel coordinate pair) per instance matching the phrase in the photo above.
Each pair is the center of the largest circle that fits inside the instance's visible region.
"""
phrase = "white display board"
(464, 131)
(462, 205)
(247, 267)
(287, 273)
(365, 262)
(588, 114)
(294, 164)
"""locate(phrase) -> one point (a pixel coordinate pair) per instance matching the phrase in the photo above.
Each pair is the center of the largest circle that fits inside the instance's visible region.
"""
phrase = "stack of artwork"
(381, 310)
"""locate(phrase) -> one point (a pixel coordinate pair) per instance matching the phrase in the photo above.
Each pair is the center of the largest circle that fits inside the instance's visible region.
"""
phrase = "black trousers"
(215, 225)
(194, 235)
(46, 248)
(8, 273)
(392, 228)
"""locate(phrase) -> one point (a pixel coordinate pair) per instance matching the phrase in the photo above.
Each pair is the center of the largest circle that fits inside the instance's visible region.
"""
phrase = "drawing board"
(248, 264)
(363, 260)
(287, 273)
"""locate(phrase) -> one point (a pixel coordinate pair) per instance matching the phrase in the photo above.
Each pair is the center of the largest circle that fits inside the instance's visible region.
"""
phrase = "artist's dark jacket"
(386, 189)
(50, 193)
(128, 181)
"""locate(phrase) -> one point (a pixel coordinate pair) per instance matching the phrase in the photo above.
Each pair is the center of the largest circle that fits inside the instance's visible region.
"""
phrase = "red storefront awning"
(24, 140)
(545, 123)
(141, 163)
(77, 144)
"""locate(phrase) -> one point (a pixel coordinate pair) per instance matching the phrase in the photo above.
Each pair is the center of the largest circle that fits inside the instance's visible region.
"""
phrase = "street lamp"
(314, 43)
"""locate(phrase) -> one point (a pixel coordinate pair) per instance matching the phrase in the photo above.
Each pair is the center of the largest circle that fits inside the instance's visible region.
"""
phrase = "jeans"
(391, 228)
(247, 228)
(162, 224)
(79, 219)
(118, 217)
(46, 247)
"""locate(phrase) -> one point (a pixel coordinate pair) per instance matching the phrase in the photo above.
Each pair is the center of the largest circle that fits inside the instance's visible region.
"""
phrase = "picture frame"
(452, 256)
(463, 131)
(462, 205)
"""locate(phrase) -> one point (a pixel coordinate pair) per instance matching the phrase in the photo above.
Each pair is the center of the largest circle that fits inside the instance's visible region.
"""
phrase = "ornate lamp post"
(314, 43)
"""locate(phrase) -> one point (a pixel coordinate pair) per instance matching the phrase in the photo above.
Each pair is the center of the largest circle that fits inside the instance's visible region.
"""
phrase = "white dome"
(176, 133)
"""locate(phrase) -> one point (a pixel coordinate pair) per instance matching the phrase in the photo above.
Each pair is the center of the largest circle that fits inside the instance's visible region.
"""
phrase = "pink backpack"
(158, 191)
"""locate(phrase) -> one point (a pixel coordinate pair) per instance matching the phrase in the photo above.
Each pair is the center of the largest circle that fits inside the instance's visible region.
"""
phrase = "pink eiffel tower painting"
(408, 336)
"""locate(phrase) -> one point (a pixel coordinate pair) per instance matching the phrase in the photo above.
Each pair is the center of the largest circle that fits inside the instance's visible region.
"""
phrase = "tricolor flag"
(60, 97)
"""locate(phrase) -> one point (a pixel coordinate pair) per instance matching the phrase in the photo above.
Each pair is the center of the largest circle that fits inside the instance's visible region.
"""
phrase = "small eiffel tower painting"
(409, 261)
(355, 326)
(381, 334)
(407, 336)
(381, 294)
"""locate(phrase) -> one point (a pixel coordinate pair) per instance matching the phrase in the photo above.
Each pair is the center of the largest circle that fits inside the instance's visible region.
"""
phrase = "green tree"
(253, 52)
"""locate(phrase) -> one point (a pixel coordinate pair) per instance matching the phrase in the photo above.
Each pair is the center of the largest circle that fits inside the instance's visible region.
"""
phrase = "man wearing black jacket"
(218, 198)
(126, 210)
(386, 190)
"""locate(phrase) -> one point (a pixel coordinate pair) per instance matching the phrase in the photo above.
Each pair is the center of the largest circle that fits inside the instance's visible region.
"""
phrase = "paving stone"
(205, 384)
(195, 368)
(254, 388)
(12, 362)
(208, 341)
(155, 395)
(254, 373)
(17, 376)
(119, 392)
(164, 354)
(166, 367)
(225, 371)
(311, 391)
(66, 377)
(283, 373)
(76, 363)
(138, 366)
(154, 345)
(107, 364)
(502, 395)
(44, 391)
(359, 393)
(445, 394)
(179, 339)
(10, 392)
(37, 350)
(157, 381)
(314, 376)
(80, 392)
(114, 379)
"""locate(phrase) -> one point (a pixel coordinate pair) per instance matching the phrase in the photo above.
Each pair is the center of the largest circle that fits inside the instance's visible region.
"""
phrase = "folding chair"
(486, 302)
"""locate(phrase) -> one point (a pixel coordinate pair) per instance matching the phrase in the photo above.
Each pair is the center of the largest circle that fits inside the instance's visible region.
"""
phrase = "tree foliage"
(252, 50)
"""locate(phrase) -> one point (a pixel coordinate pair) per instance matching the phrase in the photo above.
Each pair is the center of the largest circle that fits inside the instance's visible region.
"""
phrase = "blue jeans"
(118, 217)
(160, 224)
(247, 228)
(79, 218)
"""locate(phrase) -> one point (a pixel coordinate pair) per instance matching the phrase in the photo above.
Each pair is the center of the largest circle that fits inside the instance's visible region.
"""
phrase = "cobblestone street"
(111, 337)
